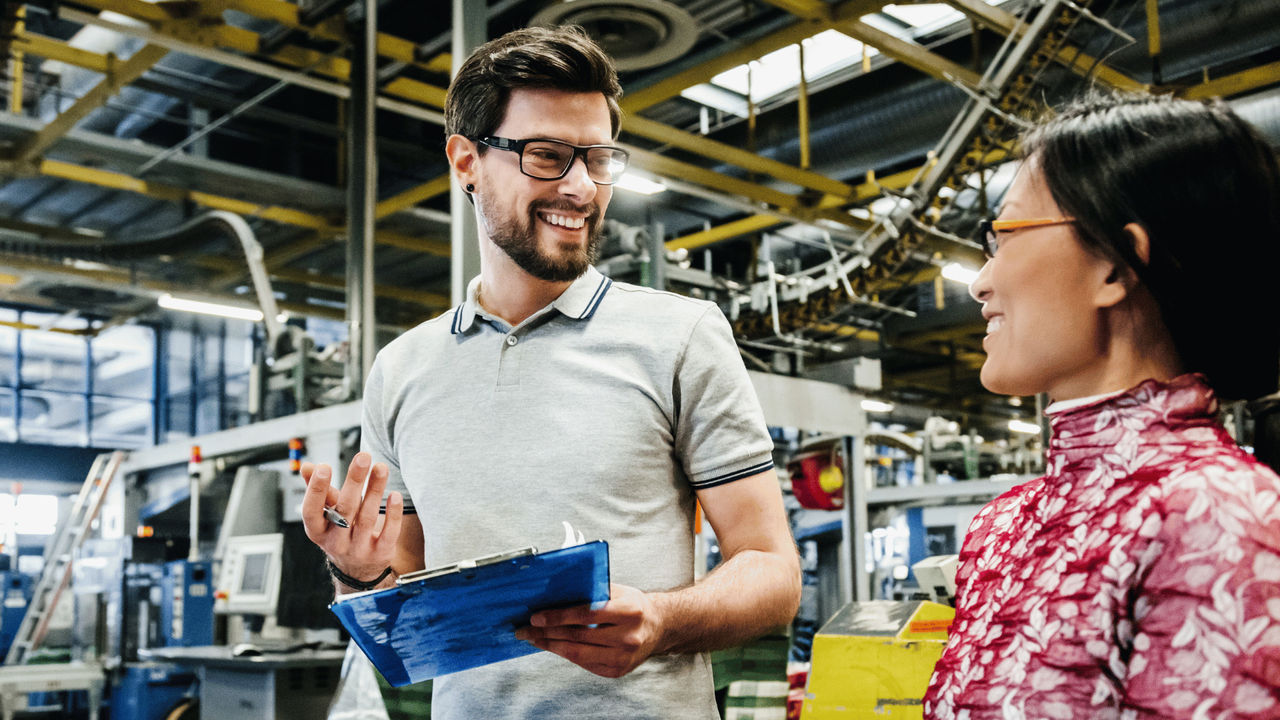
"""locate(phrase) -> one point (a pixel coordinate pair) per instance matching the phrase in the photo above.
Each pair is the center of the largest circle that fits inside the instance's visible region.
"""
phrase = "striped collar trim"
(579, 302)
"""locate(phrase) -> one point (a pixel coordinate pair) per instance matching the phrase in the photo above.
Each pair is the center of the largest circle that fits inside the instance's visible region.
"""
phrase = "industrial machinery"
(874, 659)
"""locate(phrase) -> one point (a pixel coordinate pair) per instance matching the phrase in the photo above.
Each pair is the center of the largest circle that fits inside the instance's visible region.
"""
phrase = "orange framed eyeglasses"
(989, 230)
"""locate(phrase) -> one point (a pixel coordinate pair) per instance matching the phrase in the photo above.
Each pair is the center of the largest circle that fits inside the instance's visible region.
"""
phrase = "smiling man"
(553, 394)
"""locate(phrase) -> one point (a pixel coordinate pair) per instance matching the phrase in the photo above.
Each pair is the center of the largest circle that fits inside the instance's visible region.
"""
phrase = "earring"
(470, 188)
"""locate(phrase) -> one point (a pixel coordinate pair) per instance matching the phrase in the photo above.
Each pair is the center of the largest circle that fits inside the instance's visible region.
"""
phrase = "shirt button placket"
(509, 364)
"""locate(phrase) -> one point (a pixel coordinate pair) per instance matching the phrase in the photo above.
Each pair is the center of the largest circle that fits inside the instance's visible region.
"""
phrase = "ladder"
(57, 558)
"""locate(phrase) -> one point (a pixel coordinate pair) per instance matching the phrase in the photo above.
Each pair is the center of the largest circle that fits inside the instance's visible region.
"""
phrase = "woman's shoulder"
(1000, 513)
(1220, 494)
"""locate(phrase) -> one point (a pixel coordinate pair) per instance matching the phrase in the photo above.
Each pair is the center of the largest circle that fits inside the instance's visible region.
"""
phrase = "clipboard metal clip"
(467, 565)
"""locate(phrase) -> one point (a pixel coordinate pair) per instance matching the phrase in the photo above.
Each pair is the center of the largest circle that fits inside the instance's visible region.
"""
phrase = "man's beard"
(520, 241)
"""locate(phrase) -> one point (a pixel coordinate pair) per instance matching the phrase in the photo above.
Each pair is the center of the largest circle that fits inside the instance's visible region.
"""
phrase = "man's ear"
(463, 159)
(1121, 279)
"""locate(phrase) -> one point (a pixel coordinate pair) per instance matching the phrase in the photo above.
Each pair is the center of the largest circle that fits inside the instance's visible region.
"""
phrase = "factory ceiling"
(126, 118)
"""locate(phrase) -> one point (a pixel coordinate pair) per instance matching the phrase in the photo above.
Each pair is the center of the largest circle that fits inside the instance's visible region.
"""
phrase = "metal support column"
(855, 581)
(362, 195)
(470, 30)
(657, 275)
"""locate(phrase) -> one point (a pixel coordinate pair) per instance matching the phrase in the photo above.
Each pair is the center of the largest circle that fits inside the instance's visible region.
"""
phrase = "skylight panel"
(779, 71)
(923, 18)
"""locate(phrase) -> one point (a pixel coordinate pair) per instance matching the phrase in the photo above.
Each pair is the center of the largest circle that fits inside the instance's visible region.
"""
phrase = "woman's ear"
(1121, 279)
(463, 158)
(1141, 242)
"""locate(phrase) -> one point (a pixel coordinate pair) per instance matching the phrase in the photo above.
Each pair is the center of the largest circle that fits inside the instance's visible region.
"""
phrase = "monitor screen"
(254, 577)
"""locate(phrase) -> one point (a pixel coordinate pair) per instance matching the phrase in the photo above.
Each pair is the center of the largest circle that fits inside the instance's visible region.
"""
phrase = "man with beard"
(552, 395)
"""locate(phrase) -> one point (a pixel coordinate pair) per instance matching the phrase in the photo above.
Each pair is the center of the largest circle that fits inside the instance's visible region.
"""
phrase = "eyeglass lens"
(987, 235)
(549, 159)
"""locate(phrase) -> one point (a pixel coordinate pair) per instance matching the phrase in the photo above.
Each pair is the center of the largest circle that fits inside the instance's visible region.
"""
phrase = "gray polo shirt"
(606, 409)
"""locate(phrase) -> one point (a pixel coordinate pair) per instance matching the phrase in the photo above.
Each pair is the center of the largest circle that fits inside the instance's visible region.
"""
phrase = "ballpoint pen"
(335, 517)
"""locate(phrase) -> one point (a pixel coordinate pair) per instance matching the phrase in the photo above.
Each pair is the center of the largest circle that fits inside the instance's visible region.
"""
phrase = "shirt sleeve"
(1206, 640)
(720, 433)
(377, 430)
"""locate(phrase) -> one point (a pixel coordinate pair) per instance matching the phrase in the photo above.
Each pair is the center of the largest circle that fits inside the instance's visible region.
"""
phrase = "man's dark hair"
(559, 58)
(1205, 186)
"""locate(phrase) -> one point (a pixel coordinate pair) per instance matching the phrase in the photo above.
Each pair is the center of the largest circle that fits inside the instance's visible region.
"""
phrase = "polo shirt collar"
(578, 302)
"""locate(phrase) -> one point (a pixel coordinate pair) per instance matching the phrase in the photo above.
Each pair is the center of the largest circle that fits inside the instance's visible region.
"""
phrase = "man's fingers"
(353, 486)
(367, 516)
(599, 660)
(313, 502)
(577, 615)
(395, 516)
(580, 634)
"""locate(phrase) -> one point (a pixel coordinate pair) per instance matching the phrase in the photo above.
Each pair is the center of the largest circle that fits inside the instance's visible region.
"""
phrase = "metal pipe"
(362, 195)
(803, 105)
(470, 30)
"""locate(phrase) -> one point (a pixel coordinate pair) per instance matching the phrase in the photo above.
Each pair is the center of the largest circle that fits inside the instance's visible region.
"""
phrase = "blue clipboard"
(465, 615)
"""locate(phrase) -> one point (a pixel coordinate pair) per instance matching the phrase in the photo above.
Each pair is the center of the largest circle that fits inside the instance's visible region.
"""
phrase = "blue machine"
(186, 603)
(151, 691)
(15, 596)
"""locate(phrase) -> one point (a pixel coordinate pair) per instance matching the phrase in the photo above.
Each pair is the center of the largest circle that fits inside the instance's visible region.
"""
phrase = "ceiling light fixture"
(235, 312)
(877, 406)
(959, 273)
(639, 184)
(1022, 426)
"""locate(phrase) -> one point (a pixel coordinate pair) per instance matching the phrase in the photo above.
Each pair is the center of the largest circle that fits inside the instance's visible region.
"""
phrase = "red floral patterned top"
(1139, 578)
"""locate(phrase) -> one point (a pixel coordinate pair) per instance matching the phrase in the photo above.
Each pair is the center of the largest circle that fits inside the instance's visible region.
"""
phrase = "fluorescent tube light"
(876, 406)
(236, 312)
(639, 184)
(959, 273)
(1022, 426)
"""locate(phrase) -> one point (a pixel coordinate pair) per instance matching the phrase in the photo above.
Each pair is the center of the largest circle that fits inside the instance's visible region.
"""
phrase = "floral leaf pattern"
(1138, 579)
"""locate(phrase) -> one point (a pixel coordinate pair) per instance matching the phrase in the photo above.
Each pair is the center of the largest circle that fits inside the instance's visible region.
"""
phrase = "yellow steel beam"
(289, 15)
(422, 297)
(442, 63)
(28, 326)
(211, 35)
(416, 90)
(909, 53)
(430, 246)
(1153, 28)
(849, 331)
(51, 49)
(120, 181)
(333, 282)
(16, 65)
(285, 13)
(209, 32)
(1006, 23)
(149, 12)
(861, 193)
(805, 9)
(412, 196)
(123, 74)
(745, 226)
(707, 147)
(662, 165)
(1235, 84)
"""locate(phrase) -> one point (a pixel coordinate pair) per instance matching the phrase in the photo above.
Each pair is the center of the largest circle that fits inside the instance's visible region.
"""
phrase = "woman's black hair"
(1205, 186)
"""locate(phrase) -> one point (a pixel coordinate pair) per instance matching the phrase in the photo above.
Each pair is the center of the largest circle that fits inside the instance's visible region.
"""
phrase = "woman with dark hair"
(1130, 277)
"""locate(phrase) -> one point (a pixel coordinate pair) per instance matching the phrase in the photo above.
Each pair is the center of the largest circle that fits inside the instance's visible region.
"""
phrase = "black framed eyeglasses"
(547, 159)
(989, 230)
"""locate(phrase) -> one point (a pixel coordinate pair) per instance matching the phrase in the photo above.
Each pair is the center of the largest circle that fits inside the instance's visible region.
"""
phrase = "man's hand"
(609, 642)
(366, 548)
